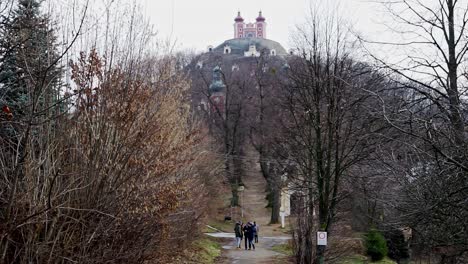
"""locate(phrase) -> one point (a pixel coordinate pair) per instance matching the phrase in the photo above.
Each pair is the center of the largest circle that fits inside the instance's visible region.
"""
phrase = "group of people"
(249, 232)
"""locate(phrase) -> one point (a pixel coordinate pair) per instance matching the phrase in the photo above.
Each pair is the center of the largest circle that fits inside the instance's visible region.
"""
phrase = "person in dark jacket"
(246, 230)
(238, 231)
(250, 235)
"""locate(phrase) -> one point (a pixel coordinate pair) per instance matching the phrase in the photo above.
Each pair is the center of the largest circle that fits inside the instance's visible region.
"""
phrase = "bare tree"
(327, 128)
(429, 112)
(113, 174)
(263, 118)
(223, 87)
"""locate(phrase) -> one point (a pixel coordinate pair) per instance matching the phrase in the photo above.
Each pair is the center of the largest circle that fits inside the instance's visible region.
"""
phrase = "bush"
(397, 246)
(376, 245)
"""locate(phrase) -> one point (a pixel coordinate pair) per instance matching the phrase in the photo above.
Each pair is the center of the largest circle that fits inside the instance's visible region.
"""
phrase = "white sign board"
(322, 238)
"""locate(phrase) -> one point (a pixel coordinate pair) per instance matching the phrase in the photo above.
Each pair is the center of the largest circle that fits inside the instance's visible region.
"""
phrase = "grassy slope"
(285, 249)
(204, 250)
(207, 250)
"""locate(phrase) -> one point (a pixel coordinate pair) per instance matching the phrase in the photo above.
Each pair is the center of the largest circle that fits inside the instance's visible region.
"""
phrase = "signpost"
(322, 238)
(321, 244)
(241, 190)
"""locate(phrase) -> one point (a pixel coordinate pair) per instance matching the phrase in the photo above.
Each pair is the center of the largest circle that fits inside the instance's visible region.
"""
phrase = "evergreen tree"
(29, 76)
(376, 245)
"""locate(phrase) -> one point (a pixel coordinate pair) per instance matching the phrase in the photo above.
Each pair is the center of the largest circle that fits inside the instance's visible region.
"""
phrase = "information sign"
(322, 238)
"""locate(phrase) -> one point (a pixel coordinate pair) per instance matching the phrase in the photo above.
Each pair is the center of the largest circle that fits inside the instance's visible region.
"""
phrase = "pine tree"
(29, 76)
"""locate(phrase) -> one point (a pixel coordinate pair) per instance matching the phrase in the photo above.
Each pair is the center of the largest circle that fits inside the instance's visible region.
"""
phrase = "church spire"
(239, 17)
(260, 18)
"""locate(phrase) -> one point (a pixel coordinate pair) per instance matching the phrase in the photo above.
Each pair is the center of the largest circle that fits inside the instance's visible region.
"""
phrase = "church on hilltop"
(250, 40)
(250, 30)
(236, 58)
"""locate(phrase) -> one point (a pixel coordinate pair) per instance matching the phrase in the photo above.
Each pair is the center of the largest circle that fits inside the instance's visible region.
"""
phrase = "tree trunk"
(276, 204)
(235, 196)
(273, 189)
(453, 94)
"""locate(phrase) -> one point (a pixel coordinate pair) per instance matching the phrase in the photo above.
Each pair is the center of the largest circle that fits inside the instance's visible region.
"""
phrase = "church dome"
(260, 18)
(240, 45)
(239, 18)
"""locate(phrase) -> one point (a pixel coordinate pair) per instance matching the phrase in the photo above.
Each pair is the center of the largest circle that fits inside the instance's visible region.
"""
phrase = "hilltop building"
(249, 40)
(250, 30)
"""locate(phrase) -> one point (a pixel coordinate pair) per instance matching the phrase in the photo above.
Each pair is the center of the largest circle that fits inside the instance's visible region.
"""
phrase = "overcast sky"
(195, 24)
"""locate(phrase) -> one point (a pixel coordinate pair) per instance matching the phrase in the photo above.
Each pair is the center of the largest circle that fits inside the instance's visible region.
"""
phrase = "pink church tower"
(261, 26)
(250, 30)
(239, 26)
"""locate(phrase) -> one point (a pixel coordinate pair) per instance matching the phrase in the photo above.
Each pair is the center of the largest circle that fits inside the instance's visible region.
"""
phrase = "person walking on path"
(238, 231)
(250, 235)
(256, 230)
(246, 230)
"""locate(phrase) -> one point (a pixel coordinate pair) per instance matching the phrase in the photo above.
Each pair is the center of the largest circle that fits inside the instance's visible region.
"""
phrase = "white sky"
(195, 24)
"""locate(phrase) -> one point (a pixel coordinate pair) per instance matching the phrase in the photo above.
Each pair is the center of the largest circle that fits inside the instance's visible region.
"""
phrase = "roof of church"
(239, 45)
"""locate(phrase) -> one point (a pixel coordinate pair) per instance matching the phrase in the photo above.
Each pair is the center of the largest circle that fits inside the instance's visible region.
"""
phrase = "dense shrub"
(376, 246)
(397, 247)
(112, 181)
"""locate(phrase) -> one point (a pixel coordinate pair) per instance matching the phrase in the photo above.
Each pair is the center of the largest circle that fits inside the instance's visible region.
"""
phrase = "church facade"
(250, 30)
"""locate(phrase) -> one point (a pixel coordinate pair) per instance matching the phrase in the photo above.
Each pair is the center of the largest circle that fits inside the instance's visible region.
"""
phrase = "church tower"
(239, 26)
(261, 26)
(250, 30)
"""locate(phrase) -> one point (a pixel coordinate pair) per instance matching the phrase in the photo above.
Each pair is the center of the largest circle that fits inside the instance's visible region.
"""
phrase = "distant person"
(250, 235)
(238, 231)
(246, 230)
(256, 230)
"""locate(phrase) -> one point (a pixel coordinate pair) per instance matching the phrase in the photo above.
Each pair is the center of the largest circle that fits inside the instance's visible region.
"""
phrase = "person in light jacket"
(256, 230)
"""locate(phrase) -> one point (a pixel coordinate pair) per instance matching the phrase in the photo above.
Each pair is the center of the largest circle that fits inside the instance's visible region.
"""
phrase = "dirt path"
(261, 254)
(254, 203)
(254, 199)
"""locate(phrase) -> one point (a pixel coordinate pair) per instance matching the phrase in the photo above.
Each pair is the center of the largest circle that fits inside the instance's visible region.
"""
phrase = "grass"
(207, 250)
(206, 229)
(285, 249)
(224, 226)
(359, 259)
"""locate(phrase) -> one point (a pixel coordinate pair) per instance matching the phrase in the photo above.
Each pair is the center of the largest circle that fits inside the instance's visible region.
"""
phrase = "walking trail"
(254, 204)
